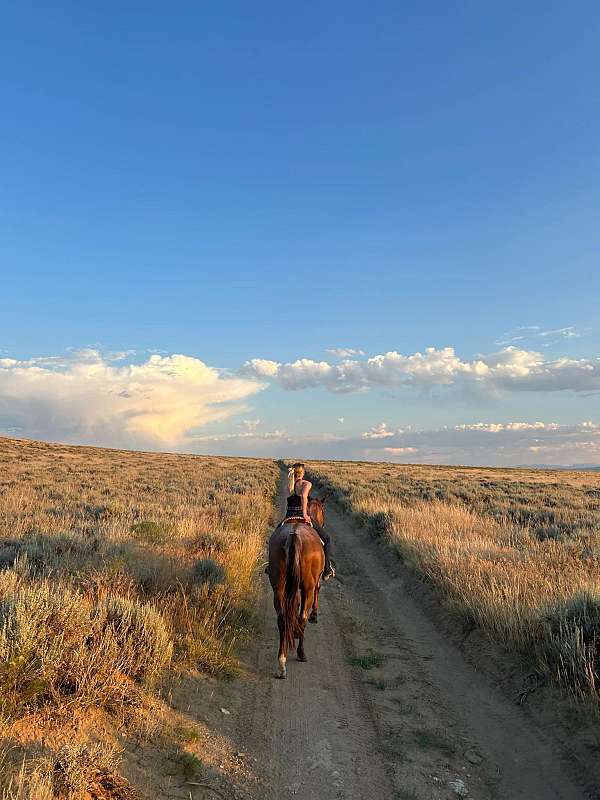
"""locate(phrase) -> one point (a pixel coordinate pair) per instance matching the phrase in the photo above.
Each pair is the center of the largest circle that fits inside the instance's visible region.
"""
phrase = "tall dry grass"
(527, 572)
(116, 567)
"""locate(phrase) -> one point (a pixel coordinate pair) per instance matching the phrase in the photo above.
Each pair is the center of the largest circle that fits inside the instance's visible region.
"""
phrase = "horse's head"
(316, 509)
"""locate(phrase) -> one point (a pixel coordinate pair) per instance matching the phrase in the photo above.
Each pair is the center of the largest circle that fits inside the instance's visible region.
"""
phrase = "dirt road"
(386, 708)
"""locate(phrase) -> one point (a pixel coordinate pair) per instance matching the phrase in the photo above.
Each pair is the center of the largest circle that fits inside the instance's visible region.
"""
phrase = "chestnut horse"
(296, 563)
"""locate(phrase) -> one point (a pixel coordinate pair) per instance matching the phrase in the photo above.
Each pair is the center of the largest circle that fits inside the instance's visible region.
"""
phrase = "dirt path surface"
(385, 708)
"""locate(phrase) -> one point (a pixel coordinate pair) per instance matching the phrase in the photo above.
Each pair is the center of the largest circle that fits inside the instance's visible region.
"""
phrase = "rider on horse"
(297, 508)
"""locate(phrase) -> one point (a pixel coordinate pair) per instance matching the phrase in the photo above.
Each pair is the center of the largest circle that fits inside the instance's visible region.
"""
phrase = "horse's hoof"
(279, 676)
(313, 618)
(302, 657)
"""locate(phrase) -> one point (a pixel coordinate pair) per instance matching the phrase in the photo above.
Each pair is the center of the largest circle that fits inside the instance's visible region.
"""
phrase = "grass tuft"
(367, 661)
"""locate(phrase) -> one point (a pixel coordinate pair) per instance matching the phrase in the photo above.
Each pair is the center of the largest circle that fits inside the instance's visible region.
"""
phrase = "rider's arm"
(306, 487)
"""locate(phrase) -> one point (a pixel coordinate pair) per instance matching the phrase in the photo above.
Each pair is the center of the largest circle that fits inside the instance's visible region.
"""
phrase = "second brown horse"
(296, 562)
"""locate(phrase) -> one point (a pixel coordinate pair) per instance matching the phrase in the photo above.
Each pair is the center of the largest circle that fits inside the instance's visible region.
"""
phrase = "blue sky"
(234, 182)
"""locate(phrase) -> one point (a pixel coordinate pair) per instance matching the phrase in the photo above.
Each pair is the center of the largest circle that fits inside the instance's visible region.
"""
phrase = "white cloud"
(400, 451)
(510, 369)
(344, 352)
(531, 332)
(493, 443)
(433, 367)
(228, 437)
(496, 427)
(86, 397)
(251, 424)
(561, 333)
(378, 432)
(261, 368)
(485, 443)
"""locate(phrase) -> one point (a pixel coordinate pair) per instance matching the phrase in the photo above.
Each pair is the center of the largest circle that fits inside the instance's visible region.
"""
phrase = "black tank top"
(294, 504)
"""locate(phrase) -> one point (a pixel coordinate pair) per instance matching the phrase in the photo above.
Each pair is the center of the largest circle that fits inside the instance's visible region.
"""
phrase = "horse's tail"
(291, 625)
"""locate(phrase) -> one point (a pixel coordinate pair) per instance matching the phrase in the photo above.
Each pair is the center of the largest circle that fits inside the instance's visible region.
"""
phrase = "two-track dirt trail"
(385, 708)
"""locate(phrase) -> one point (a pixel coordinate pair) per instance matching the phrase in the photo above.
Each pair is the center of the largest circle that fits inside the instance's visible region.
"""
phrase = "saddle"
(298, 518)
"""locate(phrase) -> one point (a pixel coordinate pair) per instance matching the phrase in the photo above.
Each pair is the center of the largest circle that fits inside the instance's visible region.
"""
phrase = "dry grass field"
(515, 552)
(117, 569)
(127, 577)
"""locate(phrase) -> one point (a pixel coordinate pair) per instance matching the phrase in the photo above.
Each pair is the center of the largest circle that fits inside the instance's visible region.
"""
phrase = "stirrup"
(330, 574)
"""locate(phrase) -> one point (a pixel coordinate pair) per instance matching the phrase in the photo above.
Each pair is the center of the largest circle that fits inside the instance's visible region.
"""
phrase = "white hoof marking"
(280, 671)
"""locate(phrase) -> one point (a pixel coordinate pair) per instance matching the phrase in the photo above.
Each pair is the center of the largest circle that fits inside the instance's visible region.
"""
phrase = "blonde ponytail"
(295, 473)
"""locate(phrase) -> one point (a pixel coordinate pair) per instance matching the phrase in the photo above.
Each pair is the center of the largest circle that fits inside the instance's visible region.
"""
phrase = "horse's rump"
(296, 563)
(296, 557)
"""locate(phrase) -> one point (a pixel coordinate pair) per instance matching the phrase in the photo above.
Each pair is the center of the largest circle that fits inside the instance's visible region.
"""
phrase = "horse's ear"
(326, 496)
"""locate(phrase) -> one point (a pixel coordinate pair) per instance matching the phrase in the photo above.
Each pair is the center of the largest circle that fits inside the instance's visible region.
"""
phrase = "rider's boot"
(329, 571)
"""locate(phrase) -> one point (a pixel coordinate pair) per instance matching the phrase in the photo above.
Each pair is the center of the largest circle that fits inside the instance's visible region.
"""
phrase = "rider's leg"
(328, 571)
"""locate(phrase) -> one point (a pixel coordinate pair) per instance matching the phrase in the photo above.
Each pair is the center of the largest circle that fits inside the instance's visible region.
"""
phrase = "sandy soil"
(386, 708)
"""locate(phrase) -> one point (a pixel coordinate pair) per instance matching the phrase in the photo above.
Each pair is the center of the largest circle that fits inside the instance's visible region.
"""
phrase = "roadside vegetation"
(514, 552)
(117, 570)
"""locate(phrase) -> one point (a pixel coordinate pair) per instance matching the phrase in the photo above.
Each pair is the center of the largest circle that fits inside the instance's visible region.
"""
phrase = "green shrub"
(151, 532)
(145, 647)
(209, 571)
(39, 629)
(58, 554)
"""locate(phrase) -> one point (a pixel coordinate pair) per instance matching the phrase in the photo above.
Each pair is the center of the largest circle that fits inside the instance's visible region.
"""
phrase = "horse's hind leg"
(314, 614)
(308, 599)
(280, 669)
(282, 655)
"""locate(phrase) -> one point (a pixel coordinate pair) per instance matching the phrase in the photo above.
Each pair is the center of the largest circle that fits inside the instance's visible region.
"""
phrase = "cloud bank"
(509, 369)
(479, 443)
(494, 443)
(167, 401)
(88, 397)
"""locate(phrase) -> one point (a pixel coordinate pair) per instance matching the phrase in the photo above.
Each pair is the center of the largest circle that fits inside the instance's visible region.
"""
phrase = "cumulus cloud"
(509, 369)
(87, 397)
(390, 369)
(378, 432)
(496, 427)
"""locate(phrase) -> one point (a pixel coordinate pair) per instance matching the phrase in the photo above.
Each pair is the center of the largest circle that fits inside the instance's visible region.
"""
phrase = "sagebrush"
(516, 552)
(116, 567)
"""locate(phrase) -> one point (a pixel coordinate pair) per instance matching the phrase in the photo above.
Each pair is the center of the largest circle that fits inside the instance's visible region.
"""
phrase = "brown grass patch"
(116, 567)
(516, 552)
